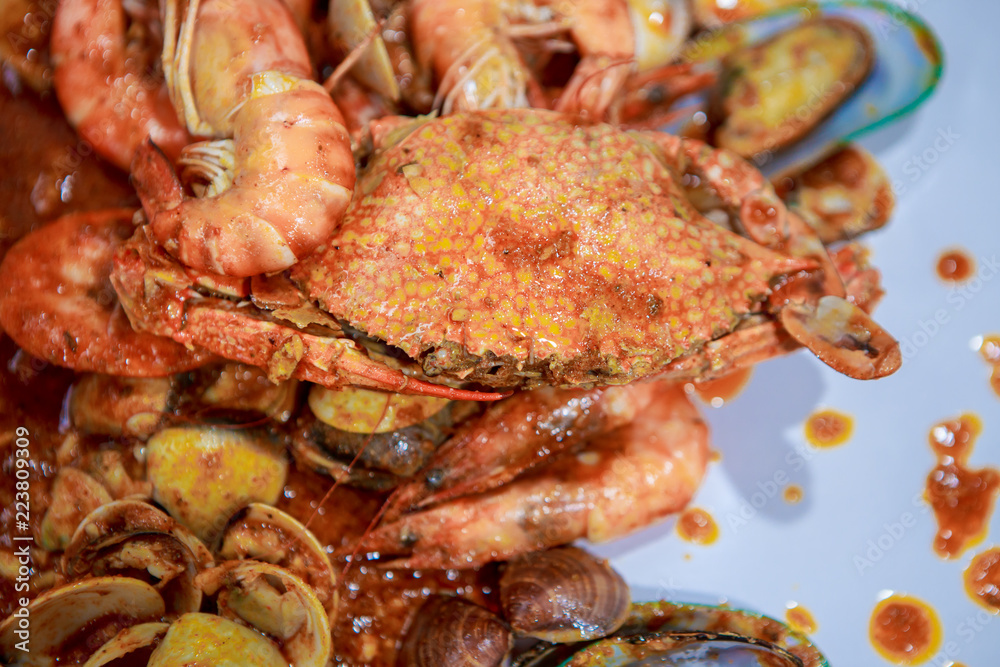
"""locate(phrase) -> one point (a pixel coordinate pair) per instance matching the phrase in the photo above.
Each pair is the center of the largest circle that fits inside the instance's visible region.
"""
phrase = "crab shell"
(527, 248)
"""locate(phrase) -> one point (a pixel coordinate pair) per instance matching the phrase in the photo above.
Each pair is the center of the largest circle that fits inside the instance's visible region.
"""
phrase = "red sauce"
(696, 525)
(828, 428)
(792, 494)
(962, 498)
(799, 618)
(982, 579)
(955, 266)
(721, 390)
(990, 351)
(904, 630)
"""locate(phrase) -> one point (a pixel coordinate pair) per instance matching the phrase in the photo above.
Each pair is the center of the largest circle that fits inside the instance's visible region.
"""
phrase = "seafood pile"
(346, 318)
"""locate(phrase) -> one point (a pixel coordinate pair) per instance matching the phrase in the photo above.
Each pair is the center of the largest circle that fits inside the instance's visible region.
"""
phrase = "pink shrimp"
(109, 95)
(281, 175)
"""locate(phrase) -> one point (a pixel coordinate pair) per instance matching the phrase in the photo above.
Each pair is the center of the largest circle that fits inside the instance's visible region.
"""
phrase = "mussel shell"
(135, 539)
(773, 93)
(275, 602)
(563, 595)
(906, 69)
(264, 533)
(69, 623)
(651, 619)
(452, 632)
(683, 649)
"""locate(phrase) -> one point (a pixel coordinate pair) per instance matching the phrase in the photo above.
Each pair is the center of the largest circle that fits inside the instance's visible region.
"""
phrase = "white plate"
(836, 551)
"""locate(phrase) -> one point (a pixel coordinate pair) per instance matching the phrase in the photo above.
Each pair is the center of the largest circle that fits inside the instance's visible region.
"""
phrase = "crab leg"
(626, 480)
(157, 295)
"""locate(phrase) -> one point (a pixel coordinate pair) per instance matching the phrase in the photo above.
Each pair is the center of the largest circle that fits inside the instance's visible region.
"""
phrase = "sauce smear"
(904, 630)
(793, 494)
(799, 618)
(962, 498)
(982, 579)
(955, 266)
(990, 351)
(724, 389)
(698, 526)
(828, 428)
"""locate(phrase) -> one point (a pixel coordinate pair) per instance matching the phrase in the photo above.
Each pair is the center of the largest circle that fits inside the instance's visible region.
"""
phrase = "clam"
(133, 538)
(204, 639)
(242, 388)
(845, 195)
(877, 62)
(275, 602)
(74, 495)
(352, 25)
(67, 624)
(563, 595)
(264, 533)
(116, 406)
(449, 632)
(202, 475)
(392, 436)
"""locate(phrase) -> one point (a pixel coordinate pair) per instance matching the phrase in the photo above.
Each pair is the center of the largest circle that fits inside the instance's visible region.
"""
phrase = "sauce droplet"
(982, 579)
(990, 350)
(793, 494)
(904, 630)
(696, 525)
(955, 266)
(828, 428)
(799, 618)
(962, 498)
(724, 389)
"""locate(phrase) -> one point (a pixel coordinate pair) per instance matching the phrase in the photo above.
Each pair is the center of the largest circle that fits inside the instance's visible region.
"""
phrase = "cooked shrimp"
(57, 303)
(283, 174)
(470, 45)
(626, 480)
(518, 433)
(106, 83)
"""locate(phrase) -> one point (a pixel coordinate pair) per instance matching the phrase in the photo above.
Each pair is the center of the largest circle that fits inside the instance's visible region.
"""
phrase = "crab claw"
(844, 337)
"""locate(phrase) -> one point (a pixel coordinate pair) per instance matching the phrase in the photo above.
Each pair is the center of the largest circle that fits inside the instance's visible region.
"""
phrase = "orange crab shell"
(513, 246)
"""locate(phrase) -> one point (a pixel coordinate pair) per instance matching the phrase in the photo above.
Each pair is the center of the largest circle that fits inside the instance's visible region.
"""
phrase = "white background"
(809, 553)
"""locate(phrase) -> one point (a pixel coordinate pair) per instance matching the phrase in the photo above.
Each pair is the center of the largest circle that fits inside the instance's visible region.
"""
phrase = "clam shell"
(202, 475)
(563, 595)
(136, 642)
(275, 602)
(74, 495)
(131, 537)
(112, 405)
(264, 533)
(204, 639)
(845, 195)
(450, 631)
(102, 606)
